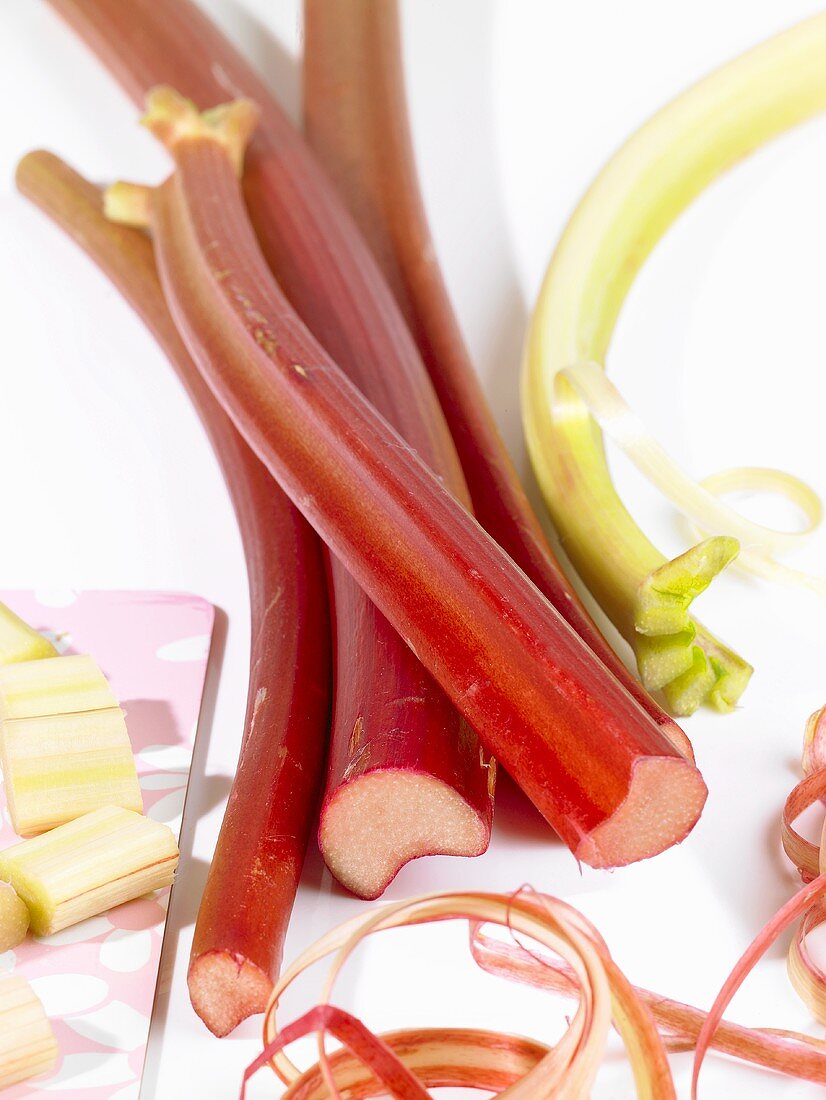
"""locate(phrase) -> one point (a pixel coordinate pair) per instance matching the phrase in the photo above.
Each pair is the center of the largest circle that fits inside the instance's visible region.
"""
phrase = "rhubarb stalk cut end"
(225, 989)
(377, 823)
(127, 204)
(173, 118)
(664, 801)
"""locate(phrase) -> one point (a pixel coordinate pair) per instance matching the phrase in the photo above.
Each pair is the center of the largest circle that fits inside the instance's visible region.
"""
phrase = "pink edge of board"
(97, 980)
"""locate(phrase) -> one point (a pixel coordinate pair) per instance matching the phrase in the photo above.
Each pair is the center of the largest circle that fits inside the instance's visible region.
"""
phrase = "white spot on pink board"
(67, 994)
(185, 649)
(169, 809)
(117, 1025)
(169, 758)
(163, 781)
(78, 933)
(55, 597)
(87, 1071)
(125, 951)
(131, 1092)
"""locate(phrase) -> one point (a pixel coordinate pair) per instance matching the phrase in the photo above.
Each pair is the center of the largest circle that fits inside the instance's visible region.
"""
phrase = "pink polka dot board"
(97, 979)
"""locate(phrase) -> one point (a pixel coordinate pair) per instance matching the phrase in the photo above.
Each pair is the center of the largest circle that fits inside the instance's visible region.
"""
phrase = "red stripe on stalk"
(591, 759)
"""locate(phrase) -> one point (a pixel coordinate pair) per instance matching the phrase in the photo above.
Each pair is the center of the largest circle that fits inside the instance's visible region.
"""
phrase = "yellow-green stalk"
(633, 201)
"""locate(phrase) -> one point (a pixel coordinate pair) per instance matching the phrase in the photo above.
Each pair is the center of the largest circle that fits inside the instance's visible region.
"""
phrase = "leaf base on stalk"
(674, 654)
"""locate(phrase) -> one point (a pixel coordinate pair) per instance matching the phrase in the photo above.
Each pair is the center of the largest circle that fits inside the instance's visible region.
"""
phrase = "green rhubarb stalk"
(631, 204)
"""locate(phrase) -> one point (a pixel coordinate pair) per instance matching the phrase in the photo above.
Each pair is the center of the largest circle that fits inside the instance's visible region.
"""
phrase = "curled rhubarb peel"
(701, 502)
(405, 775)
(356, 119)
(679, 1024)
(239, 935)
(387, 1070)
(804, 855)
(814, 742)
(439, 1057)
(565, 1071)
(631, 204)
(805, 973)
(791, 911)
(594, 763)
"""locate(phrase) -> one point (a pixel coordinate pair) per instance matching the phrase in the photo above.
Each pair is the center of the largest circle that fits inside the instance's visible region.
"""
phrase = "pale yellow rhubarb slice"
(64, 746)
(27, 1043)
(70, 685)
(59, 767)
(14, 918)
(88, 866)
(19, 641)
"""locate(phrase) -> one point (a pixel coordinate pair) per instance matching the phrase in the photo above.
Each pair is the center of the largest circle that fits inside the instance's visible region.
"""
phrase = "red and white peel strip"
(802, 853)
(805, 973)
(580, 966)
(791, 911)
(814, 742)
(679, 1024)
(440, 1058)
(480, 1059)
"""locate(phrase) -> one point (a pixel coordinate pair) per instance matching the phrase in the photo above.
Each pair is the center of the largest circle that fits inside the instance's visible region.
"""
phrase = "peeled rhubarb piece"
(242, 921)
(34, 689)
(27, 1043)
(88, 866)
(593, 761)
(60, 766)
(357, 122)
(19, 641)
(14, 918)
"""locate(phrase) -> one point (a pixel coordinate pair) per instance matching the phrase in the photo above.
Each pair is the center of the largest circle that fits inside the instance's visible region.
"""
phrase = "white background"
(107, 480)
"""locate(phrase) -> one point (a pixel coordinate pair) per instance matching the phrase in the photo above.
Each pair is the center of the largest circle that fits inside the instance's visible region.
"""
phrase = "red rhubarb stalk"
(591, 759)
(239, 934)
(357, 123)
(405, 776)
